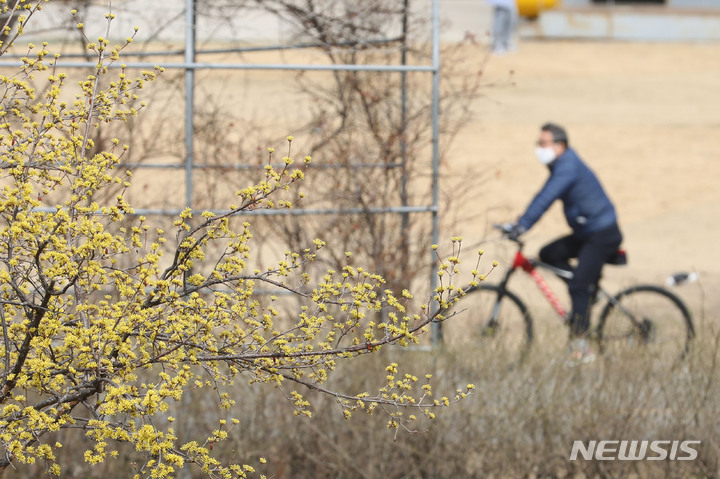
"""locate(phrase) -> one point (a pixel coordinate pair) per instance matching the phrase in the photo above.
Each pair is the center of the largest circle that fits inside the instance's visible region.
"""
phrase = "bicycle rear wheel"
(650, 316)
(489, 317)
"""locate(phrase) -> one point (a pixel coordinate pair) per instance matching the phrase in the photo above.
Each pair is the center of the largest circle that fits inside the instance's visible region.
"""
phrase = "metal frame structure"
(190, 65)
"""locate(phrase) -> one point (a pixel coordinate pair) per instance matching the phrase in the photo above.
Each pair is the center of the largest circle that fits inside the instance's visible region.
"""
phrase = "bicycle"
(642, 314)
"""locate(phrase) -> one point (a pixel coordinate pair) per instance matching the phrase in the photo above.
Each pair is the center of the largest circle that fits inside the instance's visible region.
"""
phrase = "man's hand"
(513, 231)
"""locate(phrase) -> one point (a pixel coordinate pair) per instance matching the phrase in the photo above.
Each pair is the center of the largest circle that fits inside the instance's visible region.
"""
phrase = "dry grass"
(520, 422)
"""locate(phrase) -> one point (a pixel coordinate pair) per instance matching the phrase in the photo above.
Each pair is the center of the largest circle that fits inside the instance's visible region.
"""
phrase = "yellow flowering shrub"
(106, 320)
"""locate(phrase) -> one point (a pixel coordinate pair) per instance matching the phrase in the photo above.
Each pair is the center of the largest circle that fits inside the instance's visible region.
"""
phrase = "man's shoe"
(580, 352)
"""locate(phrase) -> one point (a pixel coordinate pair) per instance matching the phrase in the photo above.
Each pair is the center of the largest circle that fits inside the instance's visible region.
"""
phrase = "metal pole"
(276, 212)
(211, 51)
(192, 65)
(190, 30)
(434, 306)
(405, 220)
(236, 167)
(189, 98)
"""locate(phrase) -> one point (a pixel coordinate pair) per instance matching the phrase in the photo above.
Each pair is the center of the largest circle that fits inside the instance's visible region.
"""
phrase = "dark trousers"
(591, 251)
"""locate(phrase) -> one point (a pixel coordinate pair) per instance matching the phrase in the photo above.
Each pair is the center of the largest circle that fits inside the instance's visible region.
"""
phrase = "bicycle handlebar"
(506, 229)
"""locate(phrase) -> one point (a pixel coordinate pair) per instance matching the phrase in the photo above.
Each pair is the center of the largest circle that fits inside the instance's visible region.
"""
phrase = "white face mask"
(545, 155)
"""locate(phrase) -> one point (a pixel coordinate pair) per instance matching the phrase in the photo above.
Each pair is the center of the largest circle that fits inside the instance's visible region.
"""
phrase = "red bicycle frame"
(522, 262)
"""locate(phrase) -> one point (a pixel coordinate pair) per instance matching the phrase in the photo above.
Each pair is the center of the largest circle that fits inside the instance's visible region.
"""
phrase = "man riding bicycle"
(595, 236)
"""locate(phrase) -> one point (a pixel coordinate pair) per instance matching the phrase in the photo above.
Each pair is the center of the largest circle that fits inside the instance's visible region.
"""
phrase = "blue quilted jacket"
(587, 208)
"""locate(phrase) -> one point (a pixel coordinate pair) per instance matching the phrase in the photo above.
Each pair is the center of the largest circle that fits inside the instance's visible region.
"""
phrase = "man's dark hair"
(558, 133)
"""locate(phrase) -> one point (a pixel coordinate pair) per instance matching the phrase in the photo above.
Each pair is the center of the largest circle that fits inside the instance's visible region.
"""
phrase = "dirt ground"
(643, 116)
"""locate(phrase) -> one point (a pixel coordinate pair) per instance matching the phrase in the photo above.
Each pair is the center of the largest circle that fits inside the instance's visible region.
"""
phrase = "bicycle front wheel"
(650, 316)
(489, 316)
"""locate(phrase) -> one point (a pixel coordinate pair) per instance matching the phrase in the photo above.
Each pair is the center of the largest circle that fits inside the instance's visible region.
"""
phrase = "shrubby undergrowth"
(521, 421)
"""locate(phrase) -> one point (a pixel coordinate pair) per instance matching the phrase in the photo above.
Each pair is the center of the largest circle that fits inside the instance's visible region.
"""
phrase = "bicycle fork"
(493, 322)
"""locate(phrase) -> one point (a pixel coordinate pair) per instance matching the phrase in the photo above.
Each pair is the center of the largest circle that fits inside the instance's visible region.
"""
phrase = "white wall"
(669, 3)
(166, 17)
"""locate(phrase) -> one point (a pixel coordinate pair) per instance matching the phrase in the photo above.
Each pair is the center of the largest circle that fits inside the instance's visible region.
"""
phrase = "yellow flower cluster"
(450, 290)
(99, 307)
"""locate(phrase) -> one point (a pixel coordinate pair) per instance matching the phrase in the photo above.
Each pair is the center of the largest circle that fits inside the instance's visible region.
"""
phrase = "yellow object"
(532, 8)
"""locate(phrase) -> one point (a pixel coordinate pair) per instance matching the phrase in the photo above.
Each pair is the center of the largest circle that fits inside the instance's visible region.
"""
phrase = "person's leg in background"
(512, 29)
(594, 252)
(502, 18)
(559, 252)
